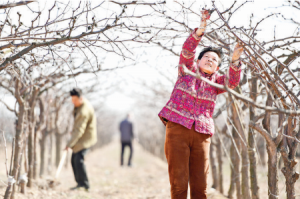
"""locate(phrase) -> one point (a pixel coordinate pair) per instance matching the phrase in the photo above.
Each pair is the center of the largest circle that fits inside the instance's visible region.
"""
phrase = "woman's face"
(209, 62)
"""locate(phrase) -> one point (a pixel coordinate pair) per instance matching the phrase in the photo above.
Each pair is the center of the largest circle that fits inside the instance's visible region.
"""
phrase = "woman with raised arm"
(188, 114)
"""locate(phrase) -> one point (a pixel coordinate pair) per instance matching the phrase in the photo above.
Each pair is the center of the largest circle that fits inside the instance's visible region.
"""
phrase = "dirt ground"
(146, 179)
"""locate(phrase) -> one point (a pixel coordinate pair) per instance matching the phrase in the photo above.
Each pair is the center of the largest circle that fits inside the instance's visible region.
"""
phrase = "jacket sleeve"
(79, 127)
(187, 54)
(234, 78)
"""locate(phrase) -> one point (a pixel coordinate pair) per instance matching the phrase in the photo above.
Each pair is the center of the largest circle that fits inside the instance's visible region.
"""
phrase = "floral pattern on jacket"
(194, 100)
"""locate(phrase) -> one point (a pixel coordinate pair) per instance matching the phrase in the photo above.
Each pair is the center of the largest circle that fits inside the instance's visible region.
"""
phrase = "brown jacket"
(84, 133)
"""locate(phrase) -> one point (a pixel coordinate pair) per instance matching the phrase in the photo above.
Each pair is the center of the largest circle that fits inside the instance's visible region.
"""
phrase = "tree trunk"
(273, 157)
(213, 166)
(11, 163)
(43, 143)
(236, 164)
(31, 144)
(261, 145)
(24, 154)
(245, 174)
(273, 154)
(30, 156)
(232, 172)
(251, 143)
(289, 159)
(35, 155)
(220, 165)
(252, 159)
(23, 186)
(58, 149)
(241, 141)
(20, 168)
(23, 182)
(43, 131)
(42, 152)
(9, 194)
(290, 176)
(49, 165)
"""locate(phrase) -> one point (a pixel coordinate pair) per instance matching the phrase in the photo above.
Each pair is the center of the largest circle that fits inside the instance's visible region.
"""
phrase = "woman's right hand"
(205, 15)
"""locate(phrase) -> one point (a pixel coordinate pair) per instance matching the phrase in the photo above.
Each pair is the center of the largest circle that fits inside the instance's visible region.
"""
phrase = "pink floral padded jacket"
(193, 100)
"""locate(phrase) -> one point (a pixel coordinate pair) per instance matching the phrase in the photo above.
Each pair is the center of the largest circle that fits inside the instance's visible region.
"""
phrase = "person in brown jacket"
(83, 137)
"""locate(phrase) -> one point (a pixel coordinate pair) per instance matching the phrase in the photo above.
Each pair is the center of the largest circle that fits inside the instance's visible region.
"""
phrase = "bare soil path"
(146, 179)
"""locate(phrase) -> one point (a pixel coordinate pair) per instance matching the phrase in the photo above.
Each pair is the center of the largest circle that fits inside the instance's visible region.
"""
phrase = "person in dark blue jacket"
(126, 129)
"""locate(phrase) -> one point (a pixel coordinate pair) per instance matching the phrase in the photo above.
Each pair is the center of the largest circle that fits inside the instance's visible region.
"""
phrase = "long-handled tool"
(61, 162)
(54, 182)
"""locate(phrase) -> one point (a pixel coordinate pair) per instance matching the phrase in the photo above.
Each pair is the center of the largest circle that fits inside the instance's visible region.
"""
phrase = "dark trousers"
(187, 153)
(124, 144)
(79, 169)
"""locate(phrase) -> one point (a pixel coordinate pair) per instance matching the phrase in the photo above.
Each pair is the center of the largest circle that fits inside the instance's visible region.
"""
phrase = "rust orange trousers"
(187, 153)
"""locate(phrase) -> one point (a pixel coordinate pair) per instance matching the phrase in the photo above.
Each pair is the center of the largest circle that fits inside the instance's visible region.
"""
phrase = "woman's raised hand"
(238, 50)
(205, 15)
